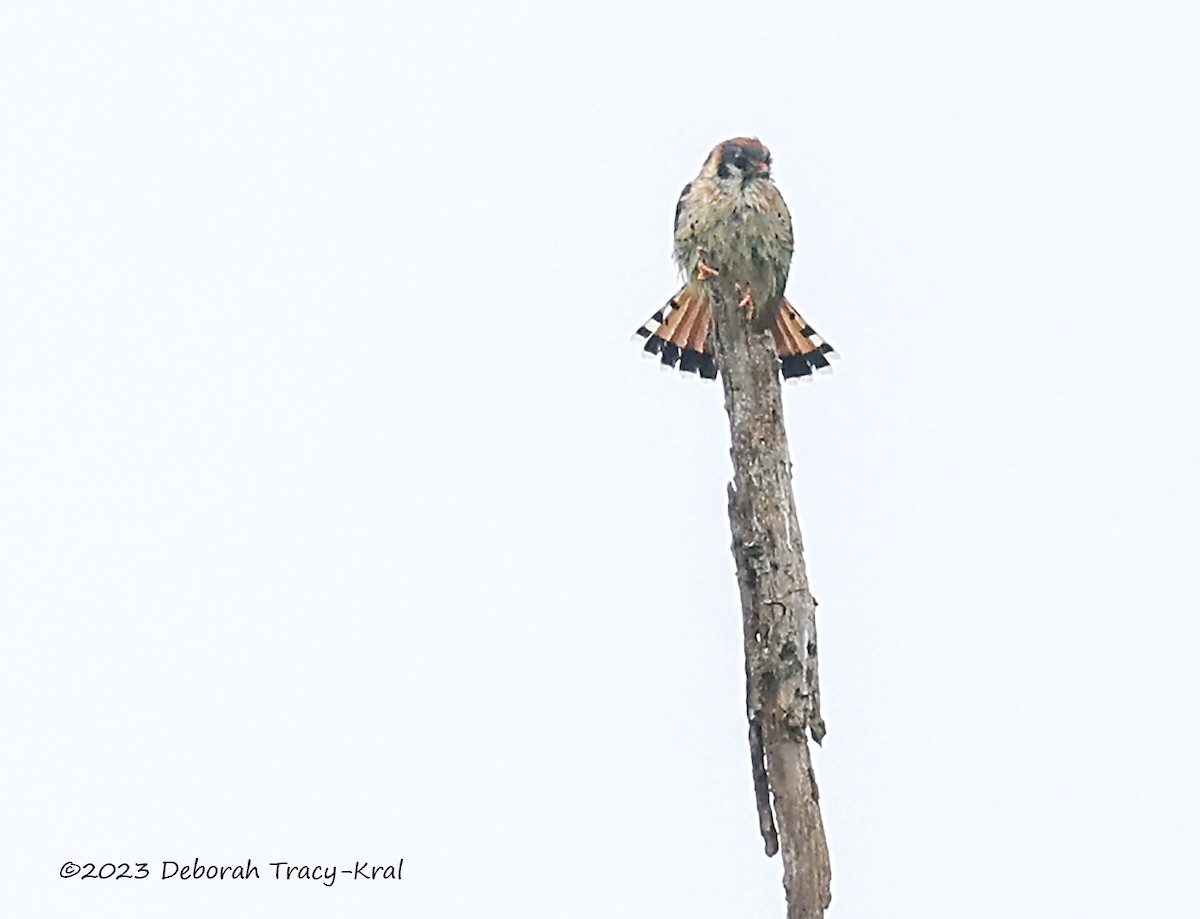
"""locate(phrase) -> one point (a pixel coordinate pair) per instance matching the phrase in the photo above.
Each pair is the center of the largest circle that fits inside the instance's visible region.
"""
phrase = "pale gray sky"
(342, 521)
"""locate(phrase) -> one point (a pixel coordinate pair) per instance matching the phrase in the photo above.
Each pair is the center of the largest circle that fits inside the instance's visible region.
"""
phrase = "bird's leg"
(704, 270)
(747, 300)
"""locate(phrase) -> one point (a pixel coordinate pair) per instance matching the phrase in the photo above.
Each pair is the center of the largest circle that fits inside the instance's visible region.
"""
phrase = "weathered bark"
(779, 614)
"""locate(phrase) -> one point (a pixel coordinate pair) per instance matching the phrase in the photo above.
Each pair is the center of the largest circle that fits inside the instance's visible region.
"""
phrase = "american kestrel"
(732, 229)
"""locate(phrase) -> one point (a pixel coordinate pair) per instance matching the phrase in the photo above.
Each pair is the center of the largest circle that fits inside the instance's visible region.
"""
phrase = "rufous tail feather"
(679, 334)
(801, 350)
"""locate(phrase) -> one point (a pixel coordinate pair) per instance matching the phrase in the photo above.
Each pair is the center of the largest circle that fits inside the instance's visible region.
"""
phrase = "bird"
(733, 230)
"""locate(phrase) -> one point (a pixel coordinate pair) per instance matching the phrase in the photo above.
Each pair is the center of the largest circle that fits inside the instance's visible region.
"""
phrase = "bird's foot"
(704, 270)
(747, 300)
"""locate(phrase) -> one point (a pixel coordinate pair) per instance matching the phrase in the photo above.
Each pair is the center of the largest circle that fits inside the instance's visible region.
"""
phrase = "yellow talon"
(747, 302)
(704, 270)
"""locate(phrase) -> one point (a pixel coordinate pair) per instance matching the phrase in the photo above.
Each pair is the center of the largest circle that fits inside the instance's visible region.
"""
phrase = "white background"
(342, 521)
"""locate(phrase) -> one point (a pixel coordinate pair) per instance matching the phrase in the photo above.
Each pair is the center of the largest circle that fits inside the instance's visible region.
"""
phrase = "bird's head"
(742, 159)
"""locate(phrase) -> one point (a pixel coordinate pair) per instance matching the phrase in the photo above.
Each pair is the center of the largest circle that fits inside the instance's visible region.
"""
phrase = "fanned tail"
(679, 334)
(801, 350)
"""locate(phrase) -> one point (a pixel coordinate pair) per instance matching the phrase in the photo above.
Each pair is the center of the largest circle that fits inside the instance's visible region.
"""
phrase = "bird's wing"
(679, 205)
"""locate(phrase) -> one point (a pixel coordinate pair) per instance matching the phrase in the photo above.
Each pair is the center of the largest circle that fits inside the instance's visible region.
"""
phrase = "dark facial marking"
(745, 157)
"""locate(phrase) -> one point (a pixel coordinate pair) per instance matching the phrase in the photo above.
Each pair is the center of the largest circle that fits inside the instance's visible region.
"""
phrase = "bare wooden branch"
(783, 697)
(762, 789)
